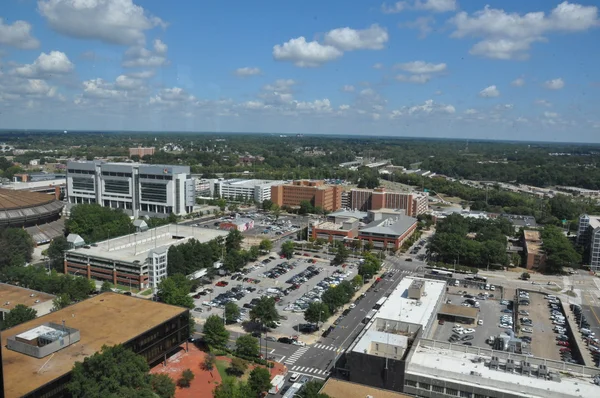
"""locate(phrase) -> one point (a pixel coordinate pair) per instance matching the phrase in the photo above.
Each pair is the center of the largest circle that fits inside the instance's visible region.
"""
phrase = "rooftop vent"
(416, 290)
(43, 340)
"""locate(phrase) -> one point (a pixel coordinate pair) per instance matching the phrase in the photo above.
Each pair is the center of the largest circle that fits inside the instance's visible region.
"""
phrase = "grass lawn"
(146, 292)
(222, 366)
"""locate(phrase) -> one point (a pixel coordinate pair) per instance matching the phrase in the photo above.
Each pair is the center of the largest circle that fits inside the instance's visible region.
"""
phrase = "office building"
(137, 189)
(387, 231)
(327, 197)
(535, 257)
(413, 203)
(334, 231)
(377, 357)
(345, 201)
(38, 355)
(237, 189)
(138, 260)
(588, 235)
(141, 152)
(11, 296)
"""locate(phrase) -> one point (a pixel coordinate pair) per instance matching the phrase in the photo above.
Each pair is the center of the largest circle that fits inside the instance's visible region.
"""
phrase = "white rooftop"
(455, 366)
(399, 312)
(251, 183)
(34, 333)
(138, 245)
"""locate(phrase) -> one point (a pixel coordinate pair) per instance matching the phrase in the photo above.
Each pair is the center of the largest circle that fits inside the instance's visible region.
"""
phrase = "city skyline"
(417, 68)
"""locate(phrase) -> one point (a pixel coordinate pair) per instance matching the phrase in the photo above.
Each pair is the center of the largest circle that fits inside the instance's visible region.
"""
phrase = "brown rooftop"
(344, 389)
(18, 199)
(19, 295)
(106, 319)
(458, 310)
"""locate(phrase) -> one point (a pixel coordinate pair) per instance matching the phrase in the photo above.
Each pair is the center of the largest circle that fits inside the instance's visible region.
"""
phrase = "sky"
(499, 69)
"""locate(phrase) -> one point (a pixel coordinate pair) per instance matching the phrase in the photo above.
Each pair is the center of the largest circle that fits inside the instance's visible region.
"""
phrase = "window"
(466, 394)
(410, 383)
(83, 184)
(154, 192)
(117, 186)
(451, 391)
(439, 389)
(424, 386)
(480, 396)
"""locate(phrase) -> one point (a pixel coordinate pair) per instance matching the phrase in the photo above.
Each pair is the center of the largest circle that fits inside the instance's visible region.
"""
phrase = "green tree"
(95, 223)
(232, 312)
(265, 245)
(259, 380)
(247, 345)
(237, 367)
(56, 252)
(316, 312)
(234, 240)
(209, 362)
(253, 253)
(16, 247)
(175, 290)
(311, 390)
(276, 211)
(186, 378)
(357, 281)
(267, 204)
(162, 385)
(19, 314)
(215, 333)
(264, 311)
(525, 276)
(230, 388)
(287, 249)
(221, 203)
(305, 207)
(112, 372)
(106, 286)
(341, 254)
(61, 301)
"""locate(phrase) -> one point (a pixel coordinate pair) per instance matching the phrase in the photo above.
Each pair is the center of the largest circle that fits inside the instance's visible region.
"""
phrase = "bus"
(369, 316)
(447, 274)
(379, 303)
(480, 278)
(293, 390)
(277, 384)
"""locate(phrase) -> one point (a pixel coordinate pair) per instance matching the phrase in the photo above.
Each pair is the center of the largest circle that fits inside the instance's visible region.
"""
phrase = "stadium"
(36, 212)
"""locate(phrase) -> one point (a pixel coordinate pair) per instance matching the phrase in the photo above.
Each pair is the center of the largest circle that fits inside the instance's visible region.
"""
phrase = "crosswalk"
(325, 347)
(309, 370)
(294, 357)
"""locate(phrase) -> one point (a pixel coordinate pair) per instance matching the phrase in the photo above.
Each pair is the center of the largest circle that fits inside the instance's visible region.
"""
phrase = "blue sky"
(431, 68)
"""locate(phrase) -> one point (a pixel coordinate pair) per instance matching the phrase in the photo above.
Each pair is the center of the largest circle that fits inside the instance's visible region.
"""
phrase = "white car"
(527, 330)
(298, 342)
(480, 322)
(352, 305)
(469, 331)
(505, 326)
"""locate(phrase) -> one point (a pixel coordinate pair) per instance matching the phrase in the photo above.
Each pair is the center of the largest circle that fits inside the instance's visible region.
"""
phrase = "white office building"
(257, 190)
(137, 189)
(588, 235)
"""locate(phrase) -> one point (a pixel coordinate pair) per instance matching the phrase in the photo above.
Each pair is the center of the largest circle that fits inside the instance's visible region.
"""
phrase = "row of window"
(115, 174)
(156, 177)
(83, 184)
(154, 192)
(77, 171)
(443, 390)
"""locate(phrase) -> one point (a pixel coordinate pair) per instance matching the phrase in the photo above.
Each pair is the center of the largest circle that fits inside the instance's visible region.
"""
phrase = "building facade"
(327, 197)
(366, 199)
(238, 224)
(137, 189)
(535, 257)
(588, 235)
(388, 233)
(256, 190)
(141, 152)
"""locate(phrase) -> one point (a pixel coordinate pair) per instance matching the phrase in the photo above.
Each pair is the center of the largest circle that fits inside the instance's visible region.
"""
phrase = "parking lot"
(544, 342)
(489, 314)
(293, 283)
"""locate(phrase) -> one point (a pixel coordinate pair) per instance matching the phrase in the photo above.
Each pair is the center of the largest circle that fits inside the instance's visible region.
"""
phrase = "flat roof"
(343, 389)
(532, 235)
(458, 310)
(390, 226)
(332, 226)
(19, 295)
(34, 333)
(106, 319)
(434, 361)
(398, 308)
(251, 183)
(137, 246)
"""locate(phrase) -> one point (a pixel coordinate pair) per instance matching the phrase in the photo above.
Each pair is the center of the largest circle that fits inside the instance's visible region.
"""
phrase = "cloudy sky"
(512, 69)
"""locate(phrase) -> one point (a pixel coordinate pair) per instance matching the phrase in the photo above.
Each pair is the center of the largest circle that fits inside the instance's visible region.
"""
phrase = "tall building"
(588, 235)
(327, 197)
(137, 189)
(141, 152)
(367, 199)
(256, 190)
(535, 258)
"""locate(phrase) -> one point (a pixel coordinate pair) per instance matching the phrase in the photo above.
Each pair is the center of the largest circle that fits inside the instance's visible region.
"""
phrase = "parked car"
(285, 340)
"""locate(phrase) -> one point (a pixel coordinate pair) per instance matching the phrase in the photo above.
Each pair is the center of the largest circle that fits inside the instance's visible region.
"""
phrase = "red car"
(306, 254)
(221, 283)
(565, 349)
(563, 343)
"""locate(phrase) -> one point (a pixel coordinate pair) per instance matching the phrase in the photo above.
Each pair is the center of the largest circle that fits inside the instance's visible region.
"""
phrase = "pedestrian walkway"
(295, 356)
(325, 347)
(308, 369)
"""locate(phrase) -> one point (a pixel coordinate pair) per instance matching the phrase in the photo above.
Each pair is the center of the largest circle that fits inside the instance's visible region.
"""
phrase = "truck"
(277, 384)
(293, 390)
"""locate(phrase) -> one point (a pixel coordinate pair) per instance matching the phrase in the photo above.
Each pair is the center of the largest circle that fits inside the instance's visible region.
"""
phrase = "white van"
(550, 297)
(492, 288)
(457, 283)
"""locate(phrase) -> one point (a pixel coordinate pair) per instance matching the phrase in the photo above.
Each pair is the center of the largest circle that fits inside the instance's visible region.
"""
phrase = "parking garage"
(458, 313)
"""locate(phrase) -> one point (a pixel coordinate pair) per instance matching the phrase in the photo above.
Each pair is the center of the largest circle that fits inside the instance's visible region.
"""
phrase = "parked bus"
(480, 278)
(277, 384)
(369, 316)
(447, 274)
(293, 390)
(379, 303)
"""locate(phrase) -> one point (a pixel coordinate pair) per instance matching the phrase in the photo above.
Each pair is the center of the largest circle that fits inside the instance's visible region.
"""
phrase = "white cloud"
(305, 54)
(110, 21)
(421, 67)
(554, 84)
(543, 102)
(348, 89)
(33, 88)
(424, 5)
(489, 92)
(510, 35)
(55, 63)
(100, 89)
(378, 66)
(419, 79)
(280, 85)
(347, 39)
(430, 107)
(17, 35)
(519, 82)
(140, 57)
(124, 82)
(317, 106)
(247, 71)
(172, 97)
(504, 107)
(422, 24)
(551, 115)
(470, 111)
(145, 74)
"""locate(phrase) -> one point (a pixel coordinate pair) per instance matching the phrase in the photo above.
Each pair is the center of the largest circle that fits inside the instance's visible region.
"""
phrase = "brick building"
(535, 257)
(141, 152)
(327, 197)
(367, 199)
